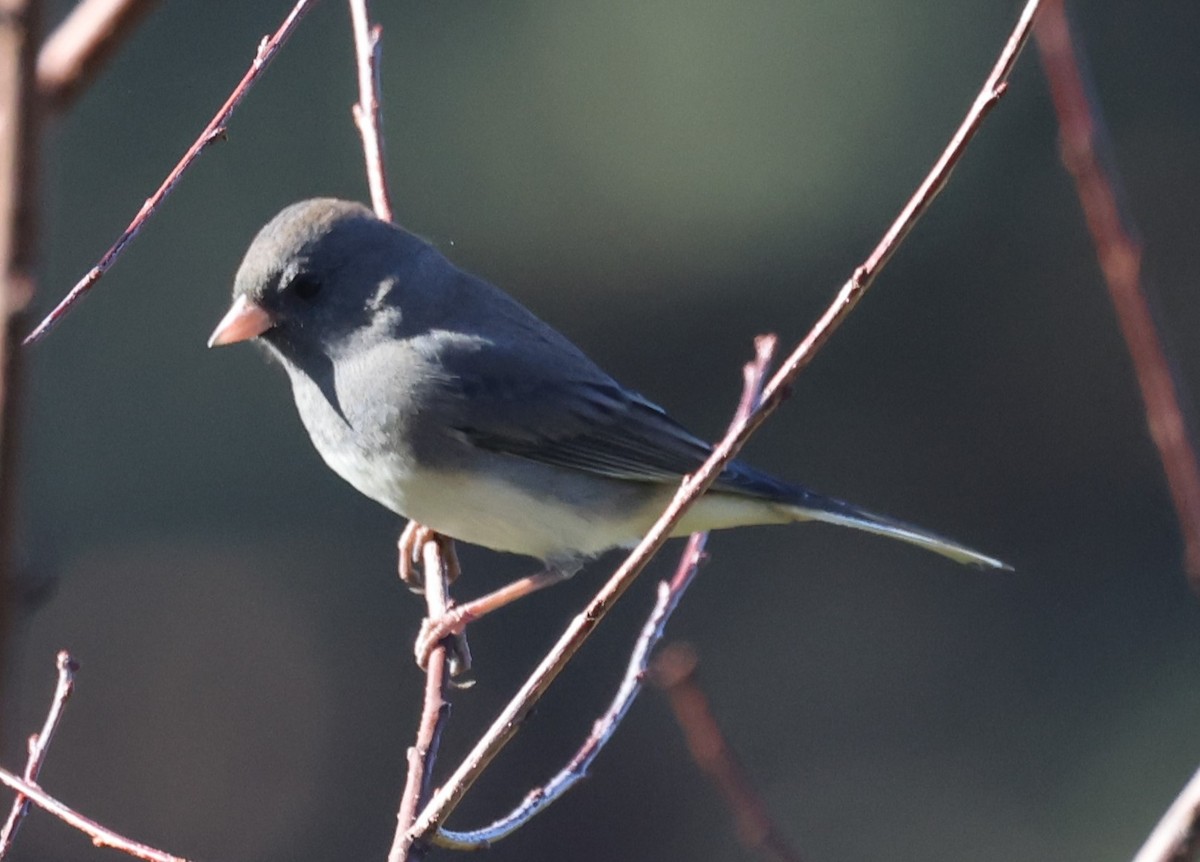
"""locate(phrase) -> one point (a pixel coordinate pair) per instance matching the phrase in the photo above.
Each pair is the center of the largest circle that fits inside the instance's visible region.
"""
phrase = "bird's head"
(319, 273)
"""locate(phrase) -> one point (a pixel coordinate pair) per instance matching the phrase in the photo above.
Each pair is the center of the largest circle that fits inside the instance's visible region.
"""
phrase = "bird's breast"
(361, 443)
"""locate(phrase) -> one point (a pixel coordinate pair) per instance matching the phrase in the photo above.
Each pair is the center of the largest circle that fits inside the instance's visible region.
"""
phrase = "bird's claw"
(411, 540)
(410, 545)
(449, 631)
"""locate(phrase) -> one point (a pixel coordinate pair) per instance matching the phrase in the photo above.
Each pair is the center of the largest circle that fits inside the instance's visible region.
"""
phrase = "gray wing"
(547, 402)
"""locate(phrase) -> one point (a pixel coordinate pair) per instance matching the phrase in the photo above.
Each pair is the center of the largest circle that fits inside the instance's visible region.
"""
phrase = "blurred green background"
(661, 180)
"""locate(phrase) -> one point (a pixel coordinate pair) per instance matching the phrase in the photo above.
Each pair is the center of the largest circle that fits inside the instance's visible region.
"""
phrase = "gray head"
(320, 273)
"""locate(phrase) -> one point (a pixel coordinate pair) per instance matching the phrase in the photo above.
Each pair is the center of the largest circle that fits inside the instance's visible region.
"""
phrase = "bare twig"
(1176, 838)
(675, 671)
(28, 789)
(367, 114)
(19, 122)
(435, 709)
(669, 595)
(540, 798)
(509, 721)
(77, 50)
(1082, 127)
(214, 131)
(38, 745)
(101, 836)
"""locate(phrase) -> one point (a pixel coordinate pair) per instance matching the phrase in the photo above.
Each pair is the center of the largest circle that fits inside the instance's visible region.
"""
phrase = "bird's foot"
(412, 540)
(453, 623)
(448, 630)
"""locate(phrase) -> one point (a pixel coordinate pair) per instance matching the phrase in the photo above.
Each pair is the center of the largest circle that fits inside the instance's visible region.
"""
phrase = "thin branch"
(28, 789)
(434, 711)
(1082, 127)
(509, 721)
(669, 595)
(675, 672)
(214, 131)
(101, 836)
(1176, 838)
(81, 45)
(39, 743)
(540, 798)
(367, 114)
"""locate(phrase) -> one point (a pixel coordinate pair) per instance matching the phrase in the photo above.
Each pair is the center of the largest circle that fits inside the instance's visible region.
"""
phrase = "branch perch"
(439, 572)
(510, 718)
(670, 593)
(436, 553)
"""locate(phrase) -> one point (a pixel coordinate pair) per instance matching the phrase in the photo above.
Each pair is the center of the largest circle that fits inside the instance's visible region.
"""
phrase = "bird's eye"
(305, 287)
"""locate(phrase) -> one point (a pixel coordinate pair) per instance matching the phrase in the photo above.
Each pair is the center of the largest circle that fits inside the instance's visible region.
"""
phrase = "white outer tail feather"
(881, 526)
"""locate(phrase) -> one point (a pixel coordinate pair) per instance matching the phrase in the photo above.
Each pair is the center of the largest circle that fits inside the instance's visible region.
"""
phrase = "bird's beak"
(244, 320)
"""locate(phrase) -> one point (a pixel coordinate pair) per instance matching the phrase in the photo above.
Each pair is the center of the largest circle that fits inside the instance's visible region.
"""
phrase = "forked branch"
(28, 790)
(39, 744)
(509, 721)
(670, 593)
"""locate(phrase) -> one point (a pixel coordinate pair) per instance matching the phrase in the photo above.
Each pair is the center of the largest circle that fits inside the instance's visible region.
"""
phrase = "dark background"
(661, 180)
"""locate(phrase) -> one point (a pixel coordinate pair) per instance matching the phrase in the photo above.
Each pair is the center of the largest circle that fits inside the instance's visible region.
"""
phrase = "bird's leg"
(455, 620)
(411, 540)
(410, 545)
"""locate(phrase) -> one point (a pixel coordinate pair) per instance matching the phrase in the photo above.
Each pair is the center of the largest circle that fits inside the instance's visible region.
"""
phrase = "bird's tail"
(815, 507)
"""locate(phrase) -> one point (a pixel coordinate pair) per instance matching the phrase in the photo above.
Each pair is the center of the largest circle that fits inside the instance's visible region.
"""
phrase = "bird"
(441, 397)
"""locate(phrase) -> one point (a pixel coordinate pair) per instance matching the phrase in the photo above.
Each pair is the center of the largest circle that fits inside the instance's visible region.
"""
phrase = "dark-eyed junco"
(439, 396)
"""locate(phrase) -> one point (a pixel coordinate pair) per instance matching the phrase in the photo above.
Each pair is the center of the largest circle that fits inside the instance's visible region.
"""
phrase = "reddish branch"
(439, 572)
(1120, 256)
(669, 595)
(28, 790)
(675, 671)
(82, 44)
(101, 836)
(214, 131)
(436, 553)
(509, 721)
(39, 743)
(367, 114)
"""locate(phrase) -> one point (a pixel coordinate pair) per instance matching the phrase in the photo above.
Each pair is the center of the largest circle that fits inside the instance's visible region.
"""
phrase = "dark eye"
(305, 287)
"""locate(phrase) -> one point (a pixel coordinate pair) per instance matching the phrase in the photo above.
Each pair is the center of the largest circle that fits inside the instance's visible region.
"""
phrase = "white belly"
(485, 509)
